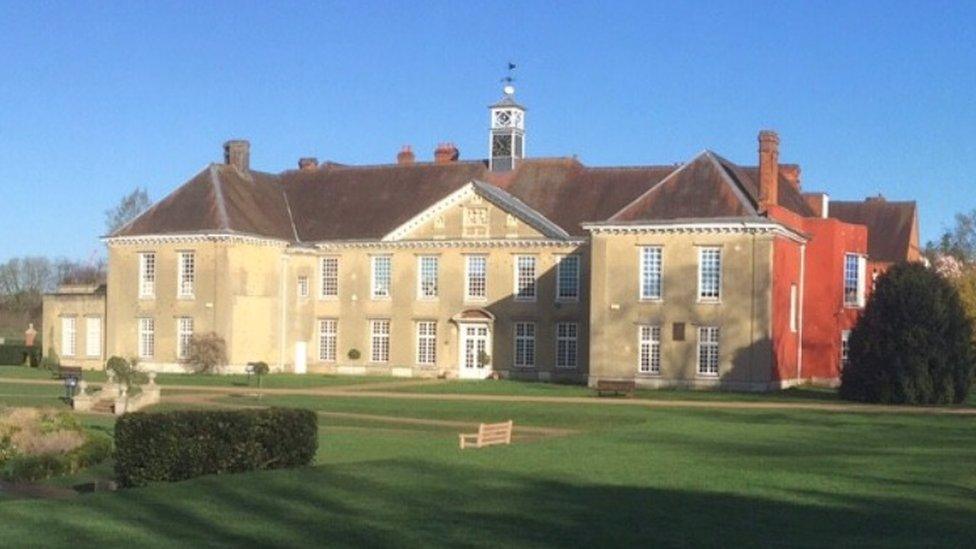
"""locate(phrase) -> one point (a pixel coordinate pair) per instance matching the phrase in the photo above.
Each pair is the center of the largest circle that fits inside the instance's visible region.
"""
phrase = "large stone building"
(705, 273)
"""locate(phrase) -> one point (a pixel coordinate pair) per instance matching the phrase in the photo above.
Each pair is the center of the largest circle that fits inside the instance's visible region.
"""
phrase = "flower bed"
(39, 443)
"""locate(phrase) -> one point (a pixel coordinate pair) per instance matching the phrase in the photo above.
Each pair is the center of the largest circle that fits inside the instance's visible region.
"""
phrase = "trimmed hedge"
(179, 445)
(16, 355)
(31, 468)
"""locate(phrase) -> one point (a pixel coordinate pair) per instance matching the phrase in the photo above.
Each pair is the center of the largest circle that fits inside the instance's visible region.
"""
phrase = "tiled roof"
(890, 225)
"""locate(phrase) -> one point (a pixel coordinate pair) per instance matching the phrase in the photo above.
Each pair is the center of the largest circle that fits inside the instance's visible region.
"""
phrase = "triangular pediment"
(478, 211)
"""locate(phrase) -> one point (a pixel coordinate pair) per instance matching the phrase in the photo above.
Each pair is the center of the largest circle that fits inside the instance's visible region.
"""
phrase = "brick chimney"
(237, 153)
(405, 156)
(768, 170)
(308, 163)
(445, 153)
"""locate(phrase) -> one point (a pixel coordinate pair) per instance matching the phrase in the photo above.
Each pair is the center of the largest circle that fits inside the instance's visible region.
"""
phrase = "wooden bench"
(65, 372)
(612, 387)
(488, 434)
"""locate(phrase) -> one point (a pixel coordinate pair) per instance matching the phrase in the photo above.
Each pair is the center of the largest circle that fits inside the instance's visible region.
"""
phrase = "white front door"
(475, 360)
(301, 357)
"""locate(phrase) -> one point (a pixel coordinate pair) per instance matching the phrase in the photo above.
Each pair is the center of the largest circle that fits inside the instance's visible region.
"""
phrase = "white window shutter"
(862, 272)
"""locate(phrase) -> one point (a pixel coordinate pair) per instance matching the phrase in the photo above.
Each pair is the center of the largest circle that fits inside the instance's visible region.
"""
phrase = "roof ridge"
(736, 187)
(532, 214)
(657, 185)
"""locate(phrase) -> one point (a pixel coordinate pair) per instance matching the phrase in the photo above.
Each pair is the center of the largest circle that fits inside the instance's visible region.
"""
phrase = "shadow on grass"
(411, 503)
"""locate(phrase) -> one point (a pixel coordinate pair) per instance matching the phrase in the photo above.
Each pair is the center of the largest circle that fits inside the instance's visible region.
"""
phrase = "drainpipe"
(799, 299)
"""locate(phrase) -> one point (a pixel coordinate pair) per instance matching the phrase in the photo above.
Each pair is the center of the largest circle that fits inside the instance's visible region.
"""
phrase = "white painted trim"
(735, 227)
(484, 243)
(189, 238)
(453, 199)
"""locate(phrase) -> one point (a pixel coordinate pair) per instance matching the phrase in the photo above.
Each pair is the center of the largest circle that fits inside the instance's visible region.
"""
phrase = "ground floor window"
(427, 342)
(69, 335)
(525, 344)
(184, 333)
(93, 336)
(708, 337)
(650, 349)
(566, 344)
(328, 329)
(379, 340)
(845, 348)
(147, 337)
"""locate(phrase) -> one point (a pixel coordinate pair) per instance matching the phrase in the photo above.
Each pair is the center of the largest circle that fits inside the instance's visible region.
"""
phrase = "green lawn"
(627, 475)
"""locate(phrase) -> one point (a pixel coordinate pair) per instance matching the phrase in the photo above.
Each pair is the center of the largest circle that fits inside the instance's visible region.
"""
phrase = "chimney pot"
(406, 156)
(308, 163)
(445, 153)
(768, 170)
(237, 153)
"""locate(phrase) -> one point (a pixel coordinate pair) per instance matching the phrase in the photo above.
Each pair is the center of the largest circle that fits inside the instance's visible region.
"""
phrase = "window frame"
(374, 280)
(567, 339)
(651, 345)
(183, 346)
(702, 252)
(643, 274)
(329, 287)
(69, 346)
(325, 335)
(573, 258)
(421, 293)
(147, 337)
(147, 275)
(518, 278)
(701, 344)
(860, 274)
(426, 343)
(185, 276)
(528, 340)
(301, 286)
(467, 278)
(375, 336)
(845, 349)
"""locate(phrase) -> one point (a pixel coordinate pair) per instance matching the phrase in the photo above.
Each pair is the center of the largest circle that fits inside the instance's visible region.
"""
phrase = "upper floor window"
(147, 337)
(69, 335)
(650, 272)
(382, 265)
(476, 277)
(330, 277)
(567, 334)
(525, 277)
(649, 338)
(709, 274)
(567, 278)
(427, 269)
(854, 268)
(147, 274)
(186, 274)
(303, 286)
(184, 334)
(708, 337)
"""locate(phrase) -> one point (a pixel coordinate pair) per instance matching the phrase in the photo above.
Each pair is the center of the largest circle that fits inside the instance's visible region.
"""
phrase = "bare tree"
(959, 242)
(128, 209)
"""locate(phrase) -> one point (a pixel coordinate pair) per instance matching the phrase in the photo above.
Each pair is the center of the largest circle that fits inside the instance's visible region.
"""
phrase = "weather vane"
(509, 79)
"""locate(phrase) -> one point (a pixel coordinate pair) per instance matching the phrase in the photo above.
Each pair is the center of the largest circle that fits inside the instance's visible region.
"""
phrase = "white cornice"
(741, 227)
(456, 197)
(454, 243)
(141, 240)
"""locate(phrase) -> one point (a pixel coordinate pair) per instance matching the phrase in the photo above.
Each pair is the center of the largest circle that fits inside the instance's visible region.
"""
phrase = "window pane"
(93, 336)
(68, 336)
(330, 277)
(525, 277)
(566, 344)
(525, 344)
(651, 273)
(426, 342)
(567, 277)
(477, 277)
(186, 274)
(380, 341)
(851, 279)
(650, 349)
(147, 274)
(381, 276)
(184, 332)
(328, 330)
(428, 277)
(709, 274)
(147, 338)
(708, 351)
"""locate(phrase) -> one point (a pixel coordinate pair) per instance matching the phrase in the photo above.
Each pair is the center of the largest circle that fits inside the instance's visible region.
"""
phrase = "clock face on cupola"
(507, 132)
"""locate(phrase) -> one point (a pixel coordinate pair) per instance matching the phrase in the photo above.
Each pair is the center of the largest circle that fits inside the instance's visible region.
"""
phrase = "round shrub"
(913, 344)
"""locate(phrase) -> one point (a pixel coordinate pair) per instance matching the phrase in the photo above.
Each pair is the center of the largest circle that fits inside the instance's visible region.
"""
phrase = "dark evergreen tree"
(913, 345)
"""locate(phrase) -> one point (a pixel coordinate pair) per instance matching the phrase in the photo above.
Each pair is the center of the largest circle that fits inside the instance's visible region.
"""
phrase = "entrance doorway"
(475, 348)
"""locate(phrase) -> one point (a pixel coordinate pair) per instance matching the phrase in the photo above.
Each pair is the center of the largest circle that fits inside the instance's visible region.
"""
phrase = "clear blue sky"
(97, 98)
